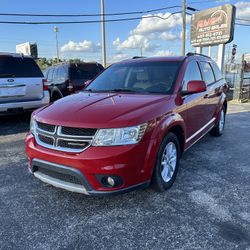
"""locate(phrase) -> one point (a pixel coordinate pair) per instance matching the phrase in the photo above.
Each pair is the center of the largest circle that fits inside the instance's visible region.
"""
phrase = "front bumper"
(133, 164)
(26, 105)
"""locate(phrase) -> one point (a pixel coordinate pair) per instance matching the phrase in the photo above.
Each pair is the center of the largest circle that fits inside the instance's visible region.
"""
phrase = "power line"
(90, 15)
(242, 24)
(89, 21)
(243, 19)
(208, 1)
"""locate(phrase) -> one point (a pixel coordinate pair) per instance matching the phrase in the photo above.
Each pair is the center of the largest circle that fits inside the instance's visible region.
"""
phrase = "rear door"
(20, 79)
(211, 96)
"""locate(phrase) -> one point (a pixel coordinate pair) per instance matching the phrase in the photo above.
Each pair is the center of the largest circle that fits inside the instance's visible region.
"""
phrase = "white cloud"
(119, 57)
(84, 46)
(135, 42)
(243, 9)
(149, 30)
(164, 53)
(169, 36)
(161, 24)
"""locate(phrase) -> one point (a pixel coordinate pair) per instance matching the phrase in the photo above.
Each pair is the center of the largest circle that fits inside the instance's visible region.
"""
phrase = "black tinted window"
(192, 73)
(143, 77)
(217, 72)
(83, 71)
(207, 73)
(18, 67)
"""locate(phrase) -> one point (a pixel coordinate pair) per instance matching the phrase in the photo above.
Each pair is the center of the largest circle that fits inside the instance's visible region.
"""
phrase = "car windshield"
(18, 67)
(138, 77)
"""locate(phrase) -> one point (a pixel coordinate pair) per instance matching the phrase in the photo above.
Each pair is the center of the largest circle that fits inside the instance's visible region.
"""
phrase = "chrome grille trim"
(59, 131)
(58, 136)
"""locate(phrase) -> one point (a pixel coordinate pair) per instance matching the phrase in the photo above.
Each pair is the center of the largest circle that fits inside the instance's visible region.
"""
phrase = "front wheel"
(167, 163)
(218, 129)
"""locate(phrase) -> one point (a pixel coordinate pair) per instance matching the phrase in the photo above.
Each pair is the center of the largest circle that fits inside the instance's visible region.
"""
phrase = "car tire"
(218, 128)
(56, 95)
(167, 163)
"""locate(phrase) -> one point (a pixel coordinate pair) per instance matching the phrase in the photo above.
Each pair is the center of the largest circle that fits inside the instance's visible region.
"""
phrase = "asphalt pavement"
(207, 208)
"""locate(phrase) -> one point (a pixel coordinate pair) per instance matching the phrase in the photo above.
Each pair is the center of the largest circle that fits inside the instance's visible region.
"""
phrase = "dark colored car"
(67, 78)
(129, 127)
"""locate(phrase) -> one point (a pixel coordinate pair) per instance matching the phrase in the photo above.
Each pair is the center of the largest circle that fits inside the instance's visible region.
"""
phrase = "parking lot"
(207, 208)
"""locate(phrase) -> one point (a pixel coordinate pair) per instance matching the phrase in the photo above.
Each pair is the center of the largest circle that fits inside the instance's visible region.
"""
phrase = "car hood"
(103, 110)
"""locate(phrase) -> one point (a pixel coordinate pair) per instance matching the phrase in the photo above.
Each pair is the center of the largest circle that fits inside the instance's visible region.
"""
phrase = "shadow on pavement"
(14, 124)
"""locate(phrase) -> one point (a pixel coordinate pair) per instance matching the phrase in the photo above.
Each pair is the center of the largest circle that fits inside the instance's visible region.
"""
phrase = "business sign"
(28, 49)
(213, 26)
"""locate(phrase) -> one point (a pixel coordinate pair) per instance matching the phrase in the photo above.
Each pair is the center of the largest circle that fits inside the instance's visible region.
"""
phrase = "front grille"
(46, 127)
(62, 138)
(46, 139)
(78, 131)
(60, 176)
(71, 144)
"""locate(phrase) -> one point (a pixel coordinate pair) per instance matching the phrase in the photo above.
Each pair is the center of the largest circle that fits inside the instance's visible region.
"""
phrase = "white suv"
(21, 84)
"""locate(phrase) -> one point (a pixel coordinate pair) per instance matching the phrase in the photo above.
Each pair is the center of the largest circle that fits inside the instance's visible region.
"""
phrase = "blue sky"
(122, 37)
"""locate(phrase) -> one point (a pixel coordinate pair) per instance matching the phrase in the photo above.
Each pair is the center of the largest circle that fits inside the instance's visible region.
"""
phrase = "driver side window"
(192, 73)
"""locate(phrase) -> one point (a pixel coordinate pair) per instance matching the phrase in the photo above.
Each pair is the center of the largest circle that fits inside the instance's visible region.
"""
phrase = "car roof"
(154, 59)
(188, 57)
(14, 55)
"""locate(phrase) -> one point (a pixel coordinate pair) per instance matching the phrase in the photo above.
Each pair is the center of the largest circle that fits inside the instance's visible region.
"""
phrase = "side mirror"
(196, 86)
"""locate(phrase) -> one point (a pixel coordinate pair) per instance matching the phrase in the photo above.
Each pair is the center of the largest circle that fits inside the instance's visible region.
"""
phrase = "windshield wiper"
(123, 90)
(7, 75)
(116, 90)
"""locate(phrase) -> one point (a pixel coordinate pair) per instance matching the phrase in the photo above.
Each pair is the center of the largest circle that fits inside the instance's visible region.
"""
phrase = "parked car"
(21, 84)
(67, 78)
(129, 127)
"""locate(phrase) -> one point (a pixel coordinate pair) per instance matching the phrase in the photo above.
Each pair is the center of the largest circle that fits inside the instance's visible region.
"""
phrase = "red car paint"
(192, 116)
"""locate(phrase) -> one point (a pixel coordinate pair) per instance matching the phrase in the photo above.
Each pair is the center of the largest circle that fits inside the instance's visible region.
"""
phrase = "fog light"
(111, 181)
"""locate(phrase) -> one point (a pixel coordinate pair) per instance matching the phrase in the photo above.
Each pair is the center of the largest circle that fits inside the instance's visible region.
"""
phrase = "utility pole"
(103, 35)
(183, 26)
(57, 49)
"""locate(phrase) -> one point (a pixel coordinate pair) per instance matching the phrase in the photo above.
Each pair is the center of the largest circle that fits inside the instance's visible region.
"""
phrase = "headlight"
(32, 125)
(119, 136)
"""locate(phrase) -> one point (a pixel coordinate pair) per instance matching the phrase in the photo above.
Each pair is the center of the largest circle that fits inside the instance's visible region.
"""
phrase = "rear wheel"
(56, 95)
(167, 163)
(218, 129)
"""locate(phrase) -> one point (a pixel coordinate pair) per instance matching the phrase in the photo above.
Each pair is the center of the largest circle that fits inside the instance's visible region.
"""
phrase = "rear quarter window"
(19, 67)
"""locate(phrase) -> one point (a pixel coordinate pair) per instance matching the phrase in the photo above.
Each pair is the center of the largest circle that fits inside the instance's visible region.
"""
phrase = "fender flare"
(56, 90)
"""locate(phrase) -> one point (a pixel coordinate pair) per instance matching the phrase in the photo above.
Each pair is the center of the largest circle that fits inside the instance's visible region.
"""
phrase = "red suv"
(129, 127)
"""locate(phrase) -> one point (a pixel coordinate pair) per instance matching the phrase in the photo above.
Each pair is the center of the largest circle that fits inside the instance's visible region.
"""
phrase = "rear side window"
(55, 74)
(192, 73)
(83, 71)
(62, 74)
(50, 74)
(207, 73)
(18, 67)
(217, 72)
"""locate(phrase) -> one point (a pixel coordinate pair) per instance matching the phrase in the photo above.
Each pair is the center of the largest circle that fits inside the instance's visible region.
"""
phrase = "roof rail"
(196, 54)
(138, 57)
